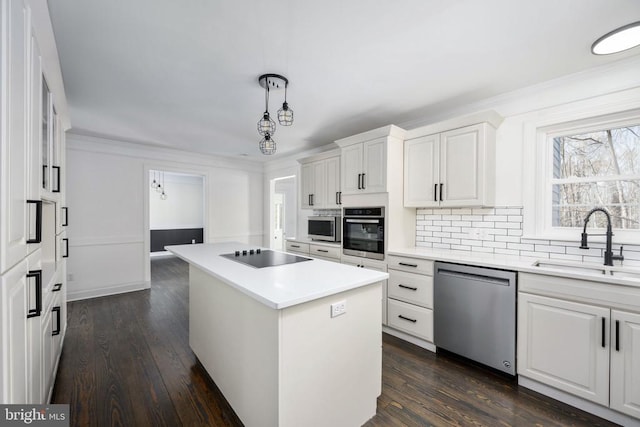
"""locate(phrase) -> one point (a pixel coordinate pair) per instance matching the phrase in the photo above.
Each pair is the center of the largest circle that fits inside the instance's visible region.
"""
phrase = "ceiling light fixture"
(618, 40)
(266, 125)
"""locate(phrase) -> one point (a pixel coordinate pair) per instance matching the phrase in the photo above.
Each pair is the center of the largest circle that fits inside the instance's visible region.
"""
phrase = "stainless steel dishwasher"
(475, 314)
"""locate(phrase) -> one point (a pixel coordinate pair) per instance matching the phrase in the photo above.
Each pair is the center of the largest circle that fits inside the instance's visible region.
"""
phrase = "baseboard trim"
(409, 338)
(105, 291)
(585, 405)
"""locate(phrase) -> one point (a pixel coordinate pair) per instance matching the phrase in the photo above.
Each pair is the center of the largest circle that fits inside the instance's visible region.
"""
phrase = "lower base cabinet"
(371, 265)
(587, 350)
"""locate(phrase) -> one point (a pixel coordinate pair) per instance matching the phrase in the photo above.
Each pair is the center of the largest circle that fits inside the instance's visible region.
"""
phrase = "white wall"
(108, 199)
(183, 206)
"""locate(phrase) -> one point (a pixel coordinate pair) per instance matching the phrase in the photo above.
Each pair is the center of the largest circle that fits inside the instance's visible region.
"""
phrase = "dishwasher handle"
(475, 277)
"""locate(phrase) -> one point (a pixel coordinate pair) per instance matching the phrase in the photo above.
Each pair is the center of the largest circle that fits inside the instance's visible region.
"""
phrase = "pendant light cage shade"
(266, 125)
(285, 115)
(267, 145)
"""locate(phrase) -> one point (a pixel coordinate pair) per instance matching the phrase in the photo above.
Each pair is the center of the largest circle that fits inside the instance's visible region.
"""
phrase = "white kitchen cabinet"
(582, 338)
(14, 30)
(371, 265)
(625, 362)
(410, 296)
(320, 183)
(28, 221)
(297, 247)
(328, 253)
(13, 335)
(369, 163)
(455, 168)
(364, 168)
(565, 344)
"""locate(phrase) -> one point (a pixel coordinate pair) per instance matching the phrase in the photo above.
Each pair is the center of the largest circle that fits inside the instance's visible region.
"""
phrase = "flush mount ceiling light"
(618, 40)
(266, 125)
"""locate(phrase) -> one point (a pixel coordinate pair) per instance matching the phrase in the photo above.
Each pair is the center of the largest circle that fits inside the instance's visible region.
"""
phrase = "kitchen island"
(272, 343)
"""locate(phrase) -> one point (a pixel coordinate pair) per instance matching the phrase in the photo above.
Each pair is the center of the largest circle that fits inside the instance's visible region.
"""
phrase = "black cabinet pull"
(56, 287)
(56, 331)
(435, 192)
(359, 181)
(295, 246)
(65, 221)
(408, 265)
(408, 287)
(57, 188)
(37, 275)
(66, 248)
(407, 318)
(337, 200)
(38, 234)
(44, 176)
(339, 197)
(603, 325)
(441, 185)
(617, 335)
(322, 250)
(363, 182)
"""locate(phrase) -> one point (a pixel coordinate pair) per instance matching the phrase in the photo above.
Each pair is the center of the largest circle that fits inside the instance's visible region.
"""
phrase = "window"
(596, 168)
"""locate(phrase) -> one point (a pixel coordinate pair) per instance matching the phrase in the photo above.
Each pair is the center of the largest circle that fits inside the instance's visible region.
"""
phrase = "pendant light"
(266, 125)
(154, 183)
(163, 195)
(285, 114)
(267, 145)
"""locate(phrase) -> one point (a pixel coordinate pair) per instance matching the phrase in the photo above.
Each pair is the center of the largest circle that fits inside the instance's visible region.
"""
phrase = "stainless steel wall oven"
(363, 232)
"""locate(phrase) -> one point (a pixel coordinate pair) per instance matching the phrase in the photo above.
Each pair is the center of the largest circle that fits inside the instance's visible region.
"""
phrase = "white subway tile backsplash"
(499, 230)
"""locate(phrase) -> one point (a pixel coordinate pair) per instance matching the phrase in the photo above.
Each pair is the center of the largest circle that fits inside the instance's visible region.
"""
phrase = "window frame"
(544, 228)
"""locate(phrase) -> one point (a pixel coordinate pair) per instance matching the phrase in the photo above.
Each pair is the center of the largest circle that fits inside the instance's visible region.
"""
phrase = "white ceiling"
(184, 74)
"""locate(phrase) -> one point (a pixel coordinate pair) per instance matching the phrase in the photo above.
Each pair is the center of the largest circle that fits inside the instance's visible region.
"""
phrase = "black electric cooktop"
(258, 258)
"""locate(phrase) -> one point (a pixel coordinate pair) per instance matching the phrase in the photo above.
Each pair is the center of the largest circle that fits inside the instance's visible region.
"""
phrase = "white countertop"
(527, 265)
(314, 242)
(280, 286)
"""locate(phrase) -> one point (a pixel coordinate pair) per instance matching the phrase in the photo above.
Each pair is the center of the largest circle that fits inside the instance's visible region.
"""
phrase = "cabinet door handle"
(435, 192)
(38, 226)
(408, 265)
(57, 170)
(337, 201)
(56, 287)
(441, 185)
(407, 287)
(295, 246)
(363, 182)
(66, 216)
(37, 275)
(44, 176)
(603, 331)
(359, 181)
(617, 335)
(339, 197)
(322, 250)
(66, 248)
(56, 331)
(407, 318)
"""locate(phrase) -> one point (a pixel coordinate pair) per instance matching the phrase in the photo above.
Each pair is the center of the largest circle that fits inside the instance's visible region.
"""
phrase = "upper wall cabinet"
(320, 182)
(363, 166)
(455, 168)
(14, 27)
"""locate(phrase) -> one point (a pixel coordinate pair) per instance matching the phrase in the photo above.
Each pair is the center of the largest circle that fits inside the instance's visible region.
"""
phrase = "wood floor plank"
(126, 361)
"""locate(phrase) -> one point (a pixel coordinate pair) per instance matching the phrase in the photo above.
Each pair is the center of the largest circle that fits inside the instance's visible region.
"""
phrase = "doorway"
(283, 211)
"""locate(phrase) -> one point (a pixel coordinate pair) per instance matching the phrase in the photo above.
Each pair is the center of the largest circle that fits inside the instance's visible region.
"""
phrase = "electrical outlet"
(338, 308)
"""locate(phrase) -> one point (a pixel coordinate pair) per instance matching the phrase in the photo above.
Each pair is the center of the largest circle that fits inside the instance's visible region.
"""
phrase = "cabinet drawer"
(414, 265)
(297, 247)
(414, 320)
(325, 251)
(411, 287)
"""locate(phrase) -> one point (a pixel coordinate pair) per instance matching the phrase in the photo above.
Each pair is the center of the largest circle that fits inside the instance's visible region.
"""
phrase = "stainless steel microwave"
(326, 228)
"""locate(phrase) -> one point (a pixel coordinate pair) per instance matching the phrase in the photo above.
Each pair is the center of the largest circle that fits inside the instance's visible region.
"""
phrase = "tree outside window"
(600, 168)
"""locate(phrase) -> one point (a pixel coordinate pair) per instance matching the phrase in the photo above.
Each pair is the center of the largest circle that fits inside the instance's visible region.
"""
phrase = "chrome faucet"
(609, 257)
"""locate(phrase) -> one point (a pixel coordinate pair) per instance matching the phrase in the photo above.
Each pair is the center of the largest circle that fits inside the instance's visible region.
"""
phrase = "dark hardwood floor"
(126, 362)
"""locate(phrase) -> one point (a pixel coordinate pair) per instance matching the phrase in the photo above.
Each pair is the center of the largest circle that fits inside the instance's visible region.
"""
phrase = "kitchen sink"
(618, 272)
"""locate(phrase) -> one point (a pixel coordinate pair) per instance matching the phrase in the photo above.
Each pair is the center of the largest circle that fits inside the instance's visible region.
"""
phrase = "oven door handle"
(363, 221)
